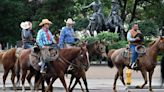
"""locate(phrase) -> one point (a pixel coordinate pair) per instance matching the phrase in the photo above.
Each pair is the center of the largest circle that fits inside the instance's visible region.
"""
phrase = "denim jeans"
(27, 45)
(134, 53)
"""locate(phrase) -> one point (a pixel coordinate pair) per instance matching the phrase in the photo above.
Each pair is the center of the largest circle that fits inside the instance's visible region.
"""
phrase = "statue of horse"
(146, 63)
(96, 48)
(96, 23)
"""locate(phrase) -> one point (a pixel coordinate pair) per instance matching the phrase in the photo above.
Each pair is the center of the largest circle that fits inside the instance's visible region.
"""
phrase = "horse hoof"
(114, 90)
(150, 90)
(138, 86)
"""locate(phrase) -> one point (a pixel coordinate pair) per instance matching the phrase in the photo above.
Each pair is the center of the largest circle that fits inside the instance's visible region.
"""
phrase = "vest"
(134, 34)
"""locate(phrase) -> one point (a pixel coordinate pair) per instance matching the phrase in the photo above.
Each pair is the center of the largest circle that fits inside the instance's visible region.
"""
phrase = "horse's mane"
(151, 43)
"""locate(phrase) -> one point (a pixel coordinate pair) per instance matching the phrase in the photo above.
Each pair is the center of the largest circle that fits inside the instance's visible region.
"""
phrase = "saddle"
(140, 49)
(35, 58)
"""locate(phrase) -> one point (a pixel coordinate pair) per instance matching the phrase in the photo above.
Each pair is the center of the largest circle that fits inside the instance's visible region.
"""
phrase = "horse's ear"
(36, 49)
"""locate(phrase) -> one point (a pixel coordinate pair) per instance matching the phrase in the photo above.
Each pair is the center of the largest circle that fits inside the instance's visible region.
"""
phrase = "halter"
(99, 52)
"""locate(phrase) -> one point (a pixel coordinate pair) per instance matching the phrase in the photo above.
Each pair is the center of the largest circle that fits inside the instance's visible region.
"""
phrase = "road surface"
(100, 79)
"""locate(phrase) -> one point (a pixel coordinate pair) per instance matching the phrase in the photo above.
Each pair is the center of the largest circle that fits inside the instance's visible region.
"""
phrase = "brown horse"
(146, 63)
(95, 49)
(25, 63)
(8, 59)
(59, 67)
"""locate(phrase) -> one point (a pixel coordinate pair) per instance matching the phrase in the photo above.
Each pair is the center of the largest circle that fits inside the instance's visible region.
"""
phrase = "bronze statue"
(97, 22)
(114, 21)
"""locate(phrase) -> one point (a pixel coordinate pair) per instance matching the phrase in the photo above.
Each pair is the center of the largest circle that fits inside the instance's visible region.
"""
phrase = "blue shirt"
(42, 40)
(66, 36)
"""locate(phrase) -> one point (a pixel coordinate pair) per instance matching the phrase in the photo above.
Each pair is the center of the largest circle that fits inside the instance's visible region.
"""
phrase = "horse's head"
(158, 43)
(83, 57)
(100, 49)
(161, 43)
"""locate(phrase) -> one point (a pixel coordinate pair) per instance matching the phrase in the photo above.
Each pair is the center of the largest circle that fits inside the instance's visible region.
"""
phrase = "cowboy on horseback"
(133, 42)
(44, 39)
(97, 16)
(67, 35)
(26, 34)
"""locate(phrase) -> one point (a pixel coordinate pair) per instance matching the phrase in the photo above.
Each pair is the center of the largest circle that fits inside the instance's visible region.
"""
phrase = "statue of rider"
(114, 20)
(96, 6)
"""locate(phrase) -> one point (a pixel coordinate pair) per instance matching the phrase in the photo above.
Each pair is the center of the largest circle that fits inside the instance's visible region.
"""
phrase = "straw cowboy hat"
(45, 21)
(69, 21)
(25, 25)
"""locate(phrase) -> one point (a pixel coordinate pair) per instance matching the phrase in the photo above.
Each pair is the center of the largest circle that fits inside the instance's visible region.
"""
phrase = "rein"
(71, 63)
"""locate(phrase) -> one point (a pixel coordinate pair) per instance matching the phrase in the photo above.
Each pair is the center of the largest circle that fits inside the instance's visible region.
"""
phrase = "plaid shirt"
(42, 40)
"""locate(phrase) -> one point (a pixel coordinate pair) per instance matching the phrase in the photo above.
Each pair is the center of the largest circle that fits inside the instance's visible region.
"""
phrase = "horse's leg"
(64, 83)
(77, 80)
(29, 79)
(13, 78)
(121, 73)
(145, 78)
(85, 81)
(115, 80)
(17, 69)
(38, 83)
(6, 71)
(150, 79)
(37, 78)
(71, 80)
(81, 85)
(24, 73)
(50, 83)
(43, 87)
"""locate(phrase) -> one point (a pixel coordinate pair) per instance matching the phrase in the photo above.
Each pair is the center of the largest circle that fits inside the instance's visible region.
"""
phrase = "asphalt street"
(100, 79)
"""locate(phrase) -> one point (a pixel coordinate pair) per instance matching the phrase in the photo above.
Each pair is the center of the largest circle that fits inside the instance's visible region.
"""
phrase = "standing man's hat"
(45, 21)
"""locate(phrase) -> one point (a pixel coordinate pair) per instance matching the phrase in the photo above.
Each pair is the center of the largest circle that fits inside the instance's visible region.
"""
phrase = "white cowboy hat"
(45, 21)
(69, 21)
(25, 25)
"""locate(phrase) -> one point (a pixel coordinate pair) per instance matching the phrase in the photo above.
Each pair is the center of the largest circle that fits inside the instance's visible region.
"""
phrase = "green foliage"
(108, 36)
(148, 28)
(111, 39)
(13, 12)
(117, 45)
(81, 23)
(11, 15)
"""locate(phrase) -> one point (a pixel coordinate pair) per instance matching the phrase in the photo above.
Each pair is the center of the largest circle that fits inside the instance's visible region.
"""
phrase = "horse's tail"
(110, 63)
(162, 69)
(17, 70)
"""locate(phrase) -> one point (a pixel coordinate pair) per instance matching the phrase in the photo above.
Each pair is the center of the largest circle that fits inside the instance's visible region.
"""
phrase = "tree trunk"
(134, 10)
(123, 15)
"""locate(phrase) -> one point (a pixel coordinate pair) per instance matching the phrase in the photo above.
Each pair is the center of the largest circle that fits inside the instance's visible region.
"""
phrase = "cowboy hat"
(25, 25)
(69, 21)
(45, 21)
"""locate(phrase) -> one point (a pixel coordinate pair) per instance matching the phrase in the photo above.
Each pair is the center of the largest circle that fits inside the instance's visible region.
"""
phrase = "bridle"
(98, 50)
(64, 61)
